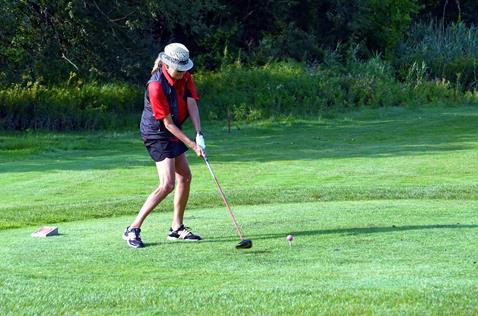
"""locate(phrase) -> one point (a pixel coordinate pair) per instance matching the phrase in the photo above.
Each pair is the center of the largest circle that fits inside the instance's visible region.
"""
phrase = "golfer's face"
(175, 74)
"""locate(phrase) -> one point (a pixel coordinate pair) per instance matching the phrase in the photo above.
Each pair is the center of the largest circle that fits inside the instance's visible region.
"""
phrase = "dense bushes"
(434, 64)
(346, 55)
(66, 108)
(234, 93)
(283, 89)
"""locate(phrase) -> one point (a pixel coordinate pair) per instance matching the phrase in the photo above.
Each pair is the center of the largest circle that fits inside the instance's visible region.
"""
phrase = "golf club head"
(244, 244)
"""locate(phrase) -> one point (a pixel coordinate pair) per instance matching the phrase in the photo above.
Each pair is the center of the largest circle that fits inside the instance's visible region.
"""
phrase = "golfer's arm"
(169, 124)
(194, 114)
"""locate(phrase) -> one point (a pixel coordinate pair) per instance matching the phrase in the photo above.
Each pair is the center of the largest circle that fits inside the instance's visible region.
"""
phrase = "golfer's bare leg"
(166, 170)
(183, 182)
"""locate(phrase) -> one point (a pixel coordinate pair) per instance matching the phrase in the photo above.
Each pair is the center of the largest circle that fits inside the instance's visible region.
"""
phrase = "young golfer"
(169, 99)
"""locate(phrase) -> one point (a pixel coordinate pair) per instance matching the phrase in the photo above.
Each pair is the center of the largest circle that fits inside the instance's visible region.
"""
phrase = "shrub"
(276, 90)
(87, 106)
(284, 89)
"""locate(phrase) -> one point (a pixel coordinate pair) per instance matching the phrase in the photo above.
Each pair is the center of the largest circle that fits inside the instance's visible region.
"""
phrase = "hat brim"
(179, 67)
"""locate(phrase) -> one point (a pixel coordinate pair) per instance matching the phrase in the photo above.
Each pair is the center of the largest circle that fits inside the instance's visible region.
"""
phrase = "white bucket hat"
(176, 55)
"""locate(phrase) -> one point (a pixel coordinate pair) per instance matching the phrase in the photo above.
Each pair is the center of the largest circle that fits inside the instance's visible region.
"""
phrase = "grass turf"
(359, 257)
(380, 154)
(383, 205)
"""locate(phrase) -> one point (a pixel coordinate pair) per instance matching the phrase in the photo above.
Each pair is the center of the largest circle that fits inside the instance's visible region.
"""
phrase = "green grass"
(364, 257)
(383, 205)
(380, 154)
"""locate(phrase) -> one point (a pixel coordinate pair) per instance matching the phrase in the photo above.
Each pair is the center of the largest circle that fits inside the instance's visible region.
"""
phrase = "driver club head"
(244, 244)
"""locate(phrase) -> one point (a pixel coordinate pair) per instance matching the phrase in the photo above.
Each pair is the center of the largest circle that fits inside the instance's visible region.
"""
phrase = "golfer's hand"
(199, 150)
(200, 140)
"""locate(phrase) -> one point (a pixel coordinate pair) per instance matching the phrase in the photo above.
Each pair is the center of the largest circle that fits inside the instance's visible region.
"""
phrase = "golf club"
(244, 243)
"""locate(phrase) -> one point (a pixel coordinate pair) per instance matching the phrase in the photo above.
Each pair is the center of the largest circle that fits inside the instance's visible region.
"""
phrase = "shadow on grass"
(382, 134)
(372, 230)
(348, 231)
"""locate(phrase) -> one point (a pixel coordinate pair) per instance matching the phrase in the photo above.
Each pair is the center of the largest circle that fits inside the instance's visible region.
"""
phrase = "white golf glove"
(200, 141)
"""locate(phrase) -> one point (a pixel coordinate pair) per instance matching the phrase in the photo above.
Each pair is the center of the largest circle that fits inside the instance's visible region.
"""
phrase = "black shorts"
(162, 149)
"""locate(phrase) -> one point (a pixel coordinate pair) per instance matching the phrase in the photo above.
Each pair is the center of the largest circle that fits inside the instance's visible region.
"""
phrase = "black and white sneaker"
(182, 233)
(132, 237)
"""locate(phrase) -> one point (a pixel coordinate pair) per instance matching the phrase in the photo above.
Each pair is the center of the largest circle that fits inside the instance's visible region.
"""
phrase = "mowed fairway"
(383, 205)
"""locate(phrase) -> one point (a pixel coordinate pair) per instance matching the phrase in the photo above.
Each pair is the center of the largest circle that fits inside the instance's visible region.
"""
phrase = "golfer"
(170, 98)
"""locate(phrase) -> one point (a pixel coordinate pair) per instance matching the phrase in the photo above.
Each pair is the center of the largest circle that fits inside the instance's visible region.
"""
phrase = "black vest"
(150, 127)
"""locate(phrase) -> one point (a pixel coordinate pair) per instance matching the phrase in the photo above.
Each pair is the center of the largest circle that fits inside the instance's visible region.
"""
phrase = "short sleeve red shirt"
(159, 102)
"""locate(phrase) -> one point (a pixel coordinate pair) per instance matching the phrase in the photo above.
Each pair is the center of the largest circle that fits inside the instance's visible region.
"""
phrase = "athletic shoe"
(182, 233)
(132, 237)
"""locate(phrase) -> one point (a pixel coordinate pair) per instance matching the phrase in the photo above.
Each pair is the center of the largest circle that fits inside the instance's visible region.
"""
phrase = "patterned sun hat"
(176, 55)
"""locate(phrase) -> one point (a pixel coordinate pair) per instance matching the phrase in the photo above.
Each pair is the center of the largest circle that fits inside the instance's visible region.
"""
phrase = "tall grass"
(450, 52)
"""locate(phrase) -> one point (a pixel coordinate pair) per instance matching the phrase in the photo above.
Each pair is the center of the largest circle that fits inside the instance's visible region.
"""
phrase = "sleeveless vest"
(150, 127)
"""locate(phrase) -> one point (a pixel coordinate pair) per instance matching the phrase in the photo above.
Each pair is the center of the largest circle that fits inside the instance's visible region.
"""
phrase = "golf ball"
(290, 237)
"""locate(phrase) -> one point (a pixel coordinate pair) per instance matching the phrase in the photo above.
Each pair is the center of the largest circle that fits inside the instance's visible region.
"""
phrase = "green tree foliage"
(46, 40)
(50, 41)
(449, 11)
(386, 22)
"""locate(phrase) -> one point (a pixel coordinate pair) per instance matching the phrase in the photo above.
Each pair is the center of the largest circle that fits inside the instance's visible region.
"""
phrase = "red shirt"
(159, 102)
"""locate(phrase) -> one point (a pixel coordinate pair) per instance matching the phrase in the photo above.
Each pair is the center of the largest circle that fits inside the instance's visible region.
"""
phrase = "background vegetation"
(83, 64)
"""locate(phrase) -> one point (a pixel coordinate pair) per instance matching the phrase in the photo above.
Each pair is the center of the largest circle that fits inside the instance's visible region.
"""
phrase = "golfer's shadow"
(363, 230)
(345, 231)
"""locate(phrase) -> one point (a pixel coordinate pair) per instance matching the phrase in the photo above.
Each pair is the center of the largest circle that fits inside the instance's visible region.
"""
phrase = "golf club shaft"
(239, 232)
